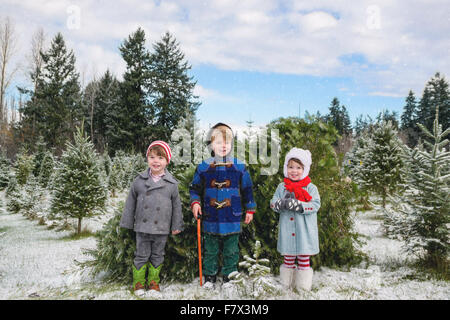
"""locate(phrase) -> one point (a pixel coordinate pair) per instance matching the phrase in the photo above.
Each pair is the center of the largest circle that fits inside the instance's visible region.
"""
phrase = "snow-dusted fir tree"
(78, 188)
(354, 162)
(31, 197)
(422, 216)
(43, 162)
(381, 163)
(5, 167)
(114, 252)
(257, 283)
(124, 169)
(24, 166)
(46, 169)
(14, 193)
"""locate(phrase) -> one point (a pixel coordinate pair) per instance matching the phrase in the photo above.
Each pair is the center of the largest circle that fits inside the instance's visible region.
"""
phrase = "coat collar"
(167, 177)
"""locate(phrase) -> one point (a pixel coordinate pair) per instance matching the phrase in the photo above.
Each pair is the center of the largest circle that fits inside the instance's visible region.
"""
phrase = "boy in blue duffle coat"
(220, 192)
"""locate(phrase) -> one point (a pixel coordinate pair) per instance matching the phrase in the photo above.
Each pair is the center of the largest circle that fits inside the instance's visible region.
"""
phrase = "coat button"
(145, 207)
(156, 222)
(293, 234)
(145, 220)
(292, 219)
(157, 208)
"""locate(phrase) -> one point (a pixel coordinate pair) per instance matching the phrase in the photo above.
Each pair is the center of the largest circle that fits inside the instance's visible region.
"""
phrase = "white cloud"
(403, 43)
(205, 93)
(318, 20)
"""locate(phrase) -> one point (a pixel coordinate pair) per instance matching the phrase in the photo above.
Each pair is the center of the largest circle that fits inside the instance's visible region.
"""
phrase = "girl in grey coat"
(153, 211)
(297, 200)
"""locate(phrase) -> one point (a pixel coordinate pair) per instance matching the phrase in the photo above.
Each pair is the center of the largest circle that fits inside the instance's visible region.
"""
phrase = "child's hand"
(174, 232)
(248, 218)
(196, 210)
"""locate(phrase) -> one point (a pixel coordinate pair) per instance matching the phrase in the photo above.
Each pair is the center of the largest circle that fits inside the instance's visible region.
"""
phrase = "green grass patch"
(85, 233)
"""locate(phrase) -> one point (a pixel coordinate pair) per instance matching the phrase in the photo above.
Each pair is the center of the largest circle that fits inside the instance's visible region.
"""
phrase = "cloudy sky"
(259, 60)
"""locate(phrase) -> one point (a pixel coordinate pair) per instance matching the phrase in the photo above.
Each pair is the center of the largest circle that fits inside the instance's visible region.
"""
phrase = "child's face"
(156, 163)
(294, 170)
(221, 146)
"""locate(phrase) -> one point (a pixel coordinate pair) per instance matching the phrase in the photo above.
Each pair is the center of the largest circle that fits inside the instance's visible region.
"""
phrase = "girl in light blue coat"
(297, 200)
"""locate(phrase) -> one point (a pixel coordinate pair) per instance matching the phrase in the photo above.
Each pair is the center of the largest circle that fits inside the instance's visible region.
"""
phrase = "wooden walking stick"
(199, 244)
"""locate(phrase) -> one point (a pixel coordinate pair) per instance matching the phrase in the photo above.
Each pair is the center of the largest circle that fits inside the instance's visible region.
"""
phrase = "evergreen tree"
(78, 190)
(362, 125)
(346, 123)
(339, 117)
(114, 252)
(382, 162)
(170, 87)
(108, 108)
(422, 218)
(387, 116)
(46, 169)
(256, 284)
(42, 163)
(424, 109)
(30, 198)
(89, 109)
(336, 240)
(54, 108)
(435, 94)
(12, 187)
(354, 167)
(409, 119)
(5, 167)
(14, 194)
(41, 150)
(102, 109)
(124, 169)
(132, 124)
(24, 166)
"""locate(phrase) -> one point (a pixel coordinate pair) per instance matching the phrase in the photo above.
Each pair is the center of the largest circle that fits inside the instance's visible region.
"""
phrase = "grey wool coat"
(153, 207)
(298, 232)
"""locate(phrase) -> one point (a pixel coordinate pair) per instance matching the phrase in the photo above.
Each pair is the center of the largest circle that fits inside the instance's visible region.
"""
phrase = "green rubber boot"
(153, 277)
(139, 279)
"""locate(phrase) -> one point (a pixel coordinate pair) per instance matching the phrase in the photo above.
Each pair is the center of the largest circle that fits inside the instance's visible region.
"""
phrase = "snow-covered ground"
(38, 263)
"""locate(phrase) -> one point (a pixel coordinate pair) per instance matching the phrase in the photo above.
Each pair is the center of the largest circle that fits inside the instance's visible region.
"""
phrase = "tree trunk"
(79, 226)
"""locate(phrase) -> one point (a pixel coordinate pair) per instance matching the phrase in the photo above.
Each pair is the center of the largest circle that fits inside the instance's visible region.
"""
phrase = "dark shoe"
(225, 279)
(210, 282)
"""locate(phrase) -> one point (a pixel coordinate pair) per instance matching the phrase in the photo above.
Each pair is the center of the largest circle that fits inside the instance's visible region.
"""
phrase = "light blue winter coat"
(298, 232)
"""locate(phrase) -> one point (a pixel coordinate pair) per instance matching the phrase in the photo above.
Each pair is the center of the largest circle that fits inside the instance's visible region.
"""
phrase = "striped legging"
(302, 261)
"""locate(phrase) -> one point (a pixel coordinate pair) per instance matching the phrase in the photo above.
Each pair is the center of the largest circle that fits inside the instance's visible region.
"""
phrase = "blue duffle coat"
(229, 185)
(297, 232)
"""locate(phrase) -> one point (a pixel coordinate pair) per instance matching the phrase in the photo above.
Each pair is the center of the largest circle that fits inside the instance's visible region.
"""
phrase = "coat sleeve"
(247, 191)
(276, 196)
(196, 187)
(177, 212)
(312, 206)
(127, 220)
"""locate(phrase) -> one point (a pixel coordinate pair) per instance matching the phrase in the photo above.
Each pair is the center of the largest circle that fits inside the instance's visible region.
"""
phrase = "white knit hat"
(303, 155)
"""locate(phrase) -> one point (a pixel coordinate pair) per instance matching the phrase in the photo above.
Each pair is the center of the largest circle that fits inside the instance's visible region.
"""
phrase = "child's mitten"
(279, 205)
(292, 204)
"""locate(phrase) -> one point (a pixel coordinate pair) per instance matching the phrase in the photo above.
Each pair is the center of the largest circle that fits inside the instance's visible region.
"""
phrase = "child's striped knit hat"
(162, 144)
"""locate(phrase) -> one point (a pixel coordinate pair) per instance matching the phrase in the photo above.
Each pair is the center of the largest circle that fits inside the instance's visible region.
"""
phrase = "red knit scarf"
(296, 187)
